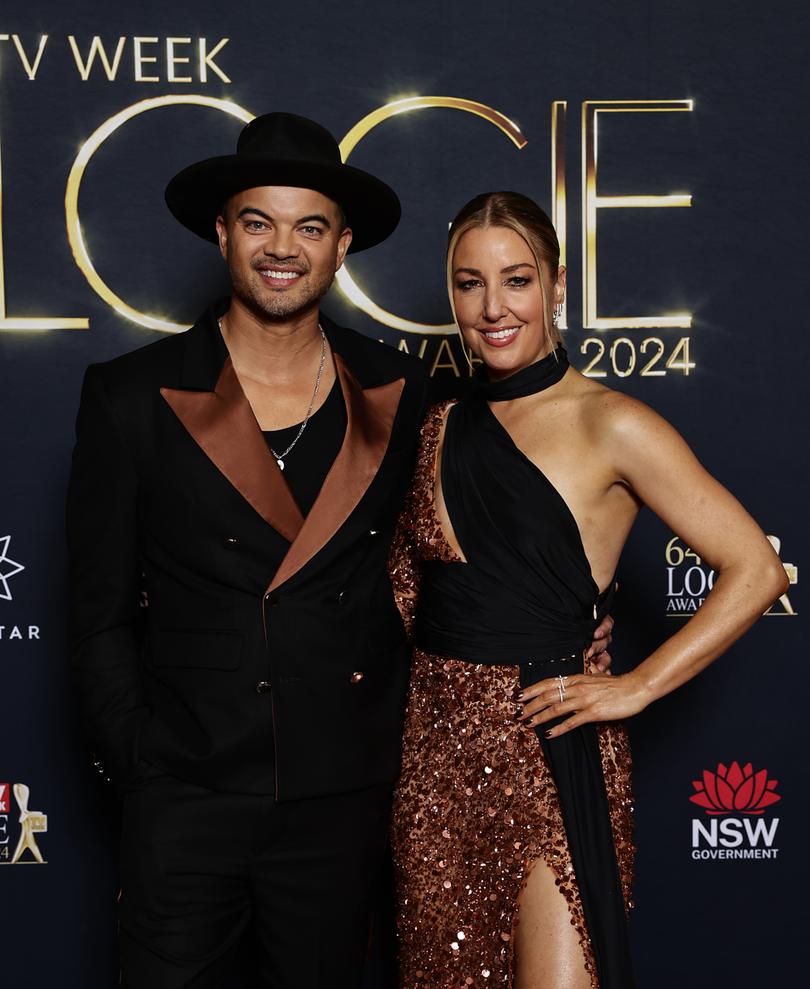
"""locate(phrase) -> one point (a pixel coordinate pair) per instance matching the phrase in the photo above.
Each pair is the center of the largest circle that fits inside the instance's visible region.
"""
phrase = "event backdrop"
(685, 242)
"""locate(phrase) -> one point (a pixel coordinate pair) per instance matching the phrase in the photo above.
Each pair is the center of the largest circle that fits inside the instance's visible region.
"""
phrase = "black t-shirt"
(308, 463)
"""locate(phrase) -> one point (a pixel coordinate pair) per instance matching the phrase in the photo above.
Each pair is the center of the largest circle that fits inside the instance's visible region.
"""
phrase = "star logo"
(8, 568)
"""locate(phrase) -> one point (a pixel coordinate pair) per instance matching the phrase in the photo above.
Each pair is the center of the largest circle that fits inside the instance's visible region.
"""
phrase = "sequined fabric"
(418, 536)
(476, 806)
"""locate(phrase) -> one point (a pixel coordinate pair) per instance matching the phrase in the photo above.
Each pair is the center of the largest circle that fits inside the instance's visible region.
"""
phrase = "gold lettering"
(345, 282)
(559, 210)
(403, 346)
(172, 59)
(592, 201)
(207, 60)
(15, 323)
(97, 48)
(140, 58)
(30, 70)
(444, 347)
(74, 229)
(624, 351)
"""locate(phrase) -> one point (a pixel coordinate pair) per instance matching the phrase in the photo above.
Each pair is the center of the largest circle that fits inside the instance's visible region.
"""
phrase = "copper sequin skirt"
(475, 808)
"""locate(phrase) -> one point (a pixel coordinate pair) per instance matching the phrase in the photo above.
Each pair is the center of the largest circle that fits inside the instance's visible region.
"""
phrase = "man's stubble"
(284, 304)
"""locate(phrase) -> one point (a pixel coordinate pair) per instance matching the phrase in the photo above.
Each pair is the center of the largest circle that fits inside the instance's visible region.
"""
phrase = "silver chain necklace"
(280, 456)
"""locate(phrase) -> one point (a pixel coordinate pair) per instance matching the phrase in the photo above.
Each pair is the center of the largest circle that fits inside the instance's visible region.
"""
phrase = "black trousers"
(198, 867)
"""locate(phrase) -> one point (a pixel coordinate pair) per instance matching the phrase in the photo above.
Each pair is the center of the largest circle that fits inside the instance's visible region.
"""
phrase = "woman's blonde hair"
(524, 216)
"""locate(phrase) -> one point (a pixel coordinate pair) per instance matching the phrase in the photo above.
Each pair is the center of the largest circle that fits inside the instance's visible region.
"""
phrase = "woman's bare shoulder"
(613, 415)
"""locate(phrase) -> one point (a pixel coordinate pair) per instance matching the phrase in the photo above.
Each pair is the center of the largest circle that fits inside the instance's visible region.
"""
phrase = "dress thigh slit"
(476, 808)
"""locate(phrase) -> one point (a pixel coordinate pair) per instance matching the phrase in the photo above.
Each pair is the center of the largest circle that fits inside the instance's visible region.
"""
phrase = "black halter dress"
(526, 596)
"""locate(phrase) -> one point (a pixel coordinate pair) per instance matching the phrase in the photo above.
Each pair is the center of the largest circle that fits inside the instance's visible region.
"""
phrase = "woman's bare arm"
(652, 459)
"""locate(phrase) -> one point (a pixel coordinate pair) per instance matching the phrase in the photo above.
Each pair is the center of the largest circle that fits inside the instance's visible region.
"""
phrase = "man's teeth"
(510, 331)
(281, 274)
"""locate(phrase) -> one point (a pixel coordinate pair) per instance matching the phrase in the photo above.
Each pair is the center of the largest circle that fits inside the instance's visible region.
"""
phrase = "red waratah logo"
(734, 789)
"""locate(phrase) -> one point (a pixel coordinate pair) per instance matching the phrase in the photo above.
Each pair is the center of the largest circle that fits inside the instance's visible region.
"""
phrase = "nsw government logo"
(734, 800)
(19, 830)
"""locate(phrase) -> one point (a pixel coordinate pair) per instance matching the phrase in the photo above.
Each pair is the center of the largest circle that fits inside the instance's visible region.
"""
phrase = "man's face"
(282, 246)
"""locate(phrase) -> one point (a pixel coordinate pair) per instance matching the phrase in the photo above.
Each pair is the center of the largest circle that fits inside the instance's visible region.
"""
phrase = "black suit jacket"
(175, 500)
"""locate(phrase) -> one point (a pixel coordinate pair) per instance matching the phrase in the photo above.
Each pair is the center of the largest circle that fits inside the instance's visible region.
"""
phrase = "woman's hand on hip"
(581, 699)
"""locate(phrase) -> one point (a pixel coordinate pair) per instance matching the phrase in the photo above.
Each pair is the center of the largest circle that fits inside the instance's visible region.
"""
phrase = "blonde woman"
(512, 823)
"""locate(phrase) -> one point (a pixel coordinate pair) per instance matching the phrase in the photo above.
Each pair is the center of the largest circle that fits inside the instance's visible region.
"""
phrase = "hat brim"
(196, 195)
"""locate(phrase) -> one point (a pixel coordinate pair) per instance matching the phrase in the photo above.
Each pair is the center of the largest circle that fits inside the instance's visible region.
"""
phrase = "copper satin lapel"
(369, 420)
(222, 424)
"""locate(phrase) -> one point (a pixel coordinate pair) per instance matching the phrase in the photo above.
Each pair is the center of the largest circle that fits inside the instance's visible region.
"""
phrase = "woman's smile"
(502, 336)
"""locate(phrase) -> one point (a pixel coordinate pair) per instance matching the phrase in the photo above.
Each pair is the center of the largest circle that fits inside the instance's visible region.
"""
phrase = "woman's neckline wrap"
(528, 380)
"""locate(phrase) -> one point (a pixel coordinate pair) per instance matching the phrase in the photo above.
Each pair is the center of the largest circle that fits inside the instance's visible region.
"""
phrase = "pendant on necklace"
(280, 463)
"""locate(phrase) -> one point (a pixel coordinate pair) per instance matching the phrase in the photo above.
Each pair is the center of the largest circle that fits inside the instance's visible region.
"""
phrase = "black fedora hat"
(284, 149)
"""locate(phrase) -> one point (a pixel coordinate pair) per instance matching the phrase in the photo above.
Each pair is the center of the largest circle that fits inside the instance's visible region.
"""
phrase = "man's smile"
(280, 278)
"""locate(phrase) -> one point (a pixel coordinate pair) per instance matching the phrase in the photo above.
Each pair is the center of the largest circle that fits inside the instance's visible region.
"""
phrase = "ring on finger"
(561, 687)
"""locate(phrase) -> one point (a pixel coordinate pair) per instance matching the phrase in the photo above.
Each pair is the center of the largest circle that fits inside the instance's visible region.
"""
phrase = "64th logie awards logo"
(31, 824)
(689, 580)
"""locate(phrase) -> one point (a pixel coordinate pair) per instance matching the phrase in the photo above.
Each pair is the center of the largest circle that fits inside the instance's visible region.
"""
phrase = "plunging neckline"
(599, 593)
(436, 466)
(556, 493)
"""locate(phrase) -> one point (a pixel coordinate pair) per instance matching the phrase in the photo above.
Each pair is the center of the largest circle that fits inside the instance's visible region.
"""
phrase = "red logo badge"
(4, 800)
(735, 790)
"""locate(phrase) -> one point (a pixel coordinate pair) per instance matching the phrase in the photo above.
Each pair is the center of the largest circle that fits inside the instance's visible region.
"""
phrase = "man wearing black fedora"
(244, 478)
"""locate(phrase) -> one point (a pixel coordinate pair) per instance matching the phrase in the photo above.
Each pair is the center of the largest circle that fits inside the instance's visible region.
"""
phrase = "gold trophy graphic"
(793, 576)
(32, 822)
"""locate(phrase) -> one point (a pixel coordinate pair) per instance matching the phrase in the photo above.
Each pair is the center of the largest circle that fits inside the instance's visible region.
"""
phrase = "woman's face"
(498, 298)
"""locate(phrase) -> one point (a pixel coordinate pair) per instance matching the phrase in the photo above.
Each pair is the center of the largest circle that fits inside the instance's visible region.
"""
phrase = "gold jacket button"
(356, 677)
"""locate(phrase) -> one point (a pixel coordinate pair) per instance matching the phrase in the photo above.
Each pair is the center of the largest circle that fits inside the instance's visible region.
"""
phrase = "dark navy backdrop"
(735, 259)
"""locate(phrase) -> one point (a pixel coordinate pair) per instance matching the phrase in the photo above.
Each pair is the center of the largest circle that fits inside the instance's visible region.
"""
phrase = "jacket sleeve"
(104, 573)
